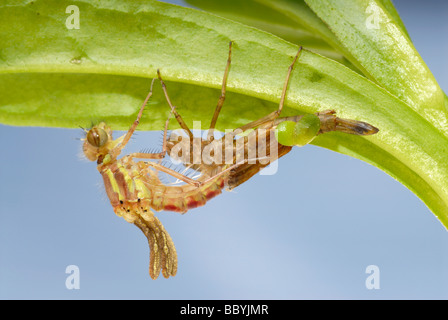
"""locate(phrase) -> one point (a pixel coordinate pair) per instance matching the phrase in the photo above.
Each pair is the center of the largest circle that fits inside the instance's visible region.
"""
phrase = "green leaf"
(54, 76)
(291, 20)
(389, 6)
(384, 52)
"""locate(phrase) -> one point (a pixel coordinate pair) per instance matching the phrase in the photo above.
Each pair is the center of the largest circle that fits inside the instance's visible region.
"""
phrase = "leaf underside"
(58, 77)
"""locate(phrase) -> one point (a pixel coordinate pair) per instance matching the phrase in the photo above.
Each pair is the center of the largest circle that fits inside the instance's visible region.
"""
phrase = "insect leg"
(171, 172)
(285, 86)
(156, 155)
(131, 130)
(270, 118)
(221, 98)
(173, 108)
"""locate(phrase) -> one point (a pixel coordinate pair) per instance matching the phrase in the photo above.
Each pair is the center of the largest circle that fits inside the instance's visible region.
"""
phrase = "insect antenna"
(84, 133)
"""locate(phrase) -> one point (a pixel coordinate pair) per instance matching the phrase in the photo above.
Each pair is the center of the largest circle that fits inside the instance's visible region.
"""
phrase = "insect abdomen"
(183, 198)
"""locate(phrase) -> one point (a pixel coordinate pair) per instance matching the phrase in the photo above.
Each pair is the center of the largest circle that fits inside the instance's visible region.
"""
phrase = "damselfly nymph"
(246, 160)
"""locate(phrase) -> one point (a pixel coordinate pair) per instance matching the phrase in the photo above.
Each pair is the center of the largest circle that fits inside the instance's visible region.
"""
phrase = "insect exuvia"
(134, 188)
(288, 131)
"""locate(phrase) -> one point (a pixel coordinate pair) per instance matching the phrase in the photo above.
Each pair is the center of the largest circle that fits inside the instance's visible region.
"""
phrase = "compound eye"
(97, 137)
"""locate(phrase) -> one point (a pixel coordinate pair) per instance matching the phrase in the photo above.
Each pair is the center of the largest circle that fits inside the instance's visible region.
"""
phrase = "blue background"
(303, 233)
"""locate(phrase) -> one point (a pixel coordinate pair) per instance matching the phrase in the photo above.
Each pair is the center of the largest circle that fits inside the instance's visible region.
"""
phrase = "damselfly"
(135, 189)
